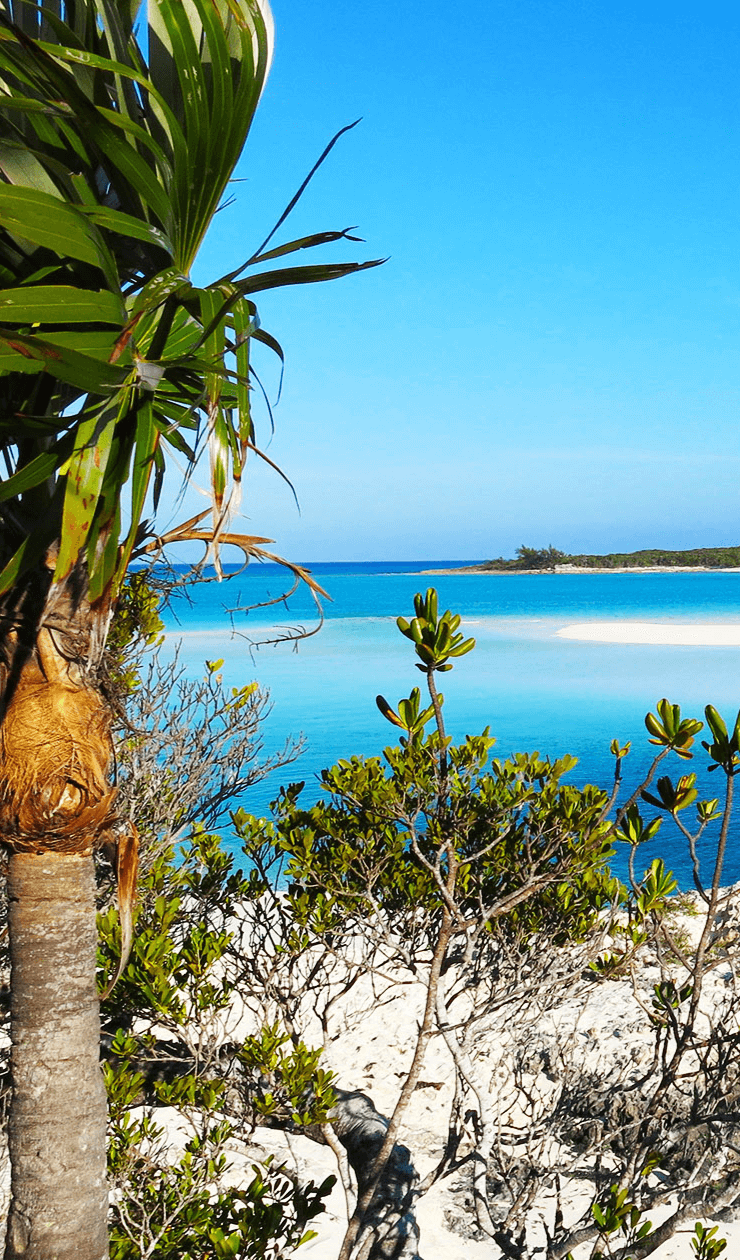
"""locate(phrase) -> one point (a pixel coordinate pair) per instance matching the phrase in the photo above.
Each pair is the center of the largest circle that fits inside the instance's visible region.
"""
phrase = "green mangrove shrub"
(489, 882)
(174, 1195)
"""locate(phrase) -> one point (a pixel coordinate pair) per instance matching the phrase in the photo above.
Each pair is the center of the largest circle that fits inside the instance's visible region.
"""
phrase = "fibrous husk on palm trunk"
(56, 748)
(55, 753)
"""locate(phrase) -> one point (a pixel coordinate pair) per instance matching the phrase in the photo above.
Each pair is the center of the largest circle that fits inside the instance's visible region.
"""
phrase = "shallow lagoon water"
(535, 690)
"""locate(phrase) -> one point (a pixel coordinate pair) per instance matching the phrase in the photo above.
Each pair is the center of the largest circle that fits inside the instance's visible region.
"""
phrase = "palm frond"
(112, 165)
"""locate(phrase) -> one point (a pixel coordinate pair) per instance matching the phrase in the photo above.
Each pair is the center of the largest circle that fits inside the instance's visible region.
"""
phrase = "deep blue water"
(384, 589)
(534, 690)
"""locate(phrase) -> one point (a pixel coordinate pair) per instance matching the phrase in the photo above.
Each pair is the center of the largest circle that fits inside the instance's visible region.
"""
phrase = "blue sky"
(551, 353)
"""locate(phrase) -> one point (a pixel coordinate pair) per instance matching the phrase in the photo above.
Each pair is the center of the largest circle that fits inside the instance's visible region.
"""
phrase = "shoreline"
(561, 570)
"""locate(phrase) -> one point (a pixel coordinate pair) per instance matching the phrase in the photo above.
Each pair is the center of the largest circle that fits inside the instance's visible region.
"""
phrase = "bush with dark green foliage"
(545, 558)
(434, 827)
(489, 882)
(162, 1051)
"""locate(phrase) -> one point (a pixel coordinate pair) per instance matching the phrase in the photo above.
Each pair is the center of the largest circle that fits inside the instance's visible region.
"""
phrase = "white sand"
(597, 1030)
(656, 633)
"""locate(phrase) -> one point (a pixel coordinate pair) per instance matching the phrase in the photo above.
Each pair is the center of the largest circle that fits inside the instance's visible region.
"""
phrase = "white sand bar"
(657, 633)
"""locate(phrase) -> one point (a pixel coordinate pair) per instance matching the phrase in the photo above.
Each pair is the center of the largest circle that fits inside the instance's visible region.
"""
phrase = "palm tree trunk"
(58, 1116)
(56, 804)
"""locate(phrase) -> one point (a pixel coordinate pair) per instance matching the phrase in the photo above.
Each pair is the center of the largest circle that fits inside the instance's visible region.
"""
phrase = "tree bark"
(57, 1129)
(388, 1230)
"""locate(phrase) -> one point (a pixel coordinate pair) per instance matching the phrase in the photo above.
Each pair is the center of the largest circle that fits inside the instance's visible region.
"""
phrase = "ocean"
(533, 689)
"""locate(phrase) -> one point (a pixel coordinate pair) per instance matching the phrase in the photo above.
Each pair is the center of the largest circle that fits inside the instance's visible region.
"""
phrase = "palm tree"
(113, 161)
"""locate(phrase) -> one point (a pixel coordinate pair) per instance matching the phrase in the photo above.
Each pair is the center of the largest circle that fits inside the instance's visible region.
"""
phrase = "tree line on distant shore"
(549, 557)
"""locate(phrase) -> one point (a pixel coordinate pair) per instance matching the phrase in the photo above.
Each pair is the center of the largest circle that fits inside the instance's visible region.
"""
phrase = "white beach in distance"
(655, 633)
(580, 570)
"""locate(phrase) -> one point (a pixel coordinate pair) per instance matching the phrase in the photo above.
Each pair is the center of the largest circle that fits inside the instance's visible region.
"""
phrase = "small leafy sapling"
(694, 1041)
(441, 854)
(616, 1213)
(704, 1244)
(435, 638)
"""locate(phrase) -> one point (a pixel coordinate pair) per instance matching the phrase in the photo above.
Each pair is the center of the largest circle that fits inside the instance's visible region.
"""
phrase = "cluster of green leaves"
(705, 1245)
(667, 998)
(176, 1212)
(724, 750)
(656, 886)
(435, 638)
(371, 842)
(291, 1085)
(136, 626)
(545, 558)
(668, 730)
(181, 975)
(616, 1213)
(528, 853)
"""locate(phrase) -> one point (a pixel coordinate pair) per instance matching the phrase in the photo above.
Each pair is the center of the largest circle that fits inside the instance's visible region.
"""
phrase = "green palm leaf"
(114, 165)
(36, 217)
(60, 304)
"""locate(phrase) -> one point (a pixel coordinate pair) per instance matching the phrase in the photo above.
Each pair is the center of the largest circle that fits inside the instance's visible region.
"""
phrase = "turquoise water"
(534, 690)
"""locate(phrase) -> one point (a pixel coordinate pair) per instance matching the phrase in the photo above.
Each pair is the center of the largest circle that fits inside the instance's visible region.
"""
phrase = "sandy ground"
(369, 1044)
(655, 633)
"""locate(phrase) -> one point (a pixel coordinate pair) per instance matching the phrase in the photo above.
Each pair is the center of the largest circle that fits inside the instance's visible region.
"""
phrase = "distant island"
(550, 560)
